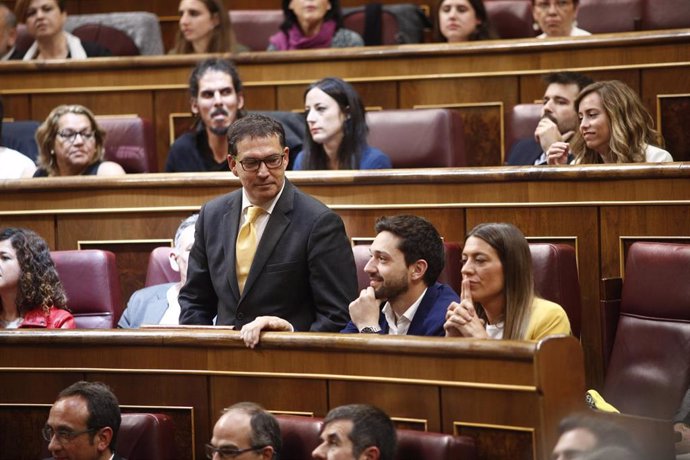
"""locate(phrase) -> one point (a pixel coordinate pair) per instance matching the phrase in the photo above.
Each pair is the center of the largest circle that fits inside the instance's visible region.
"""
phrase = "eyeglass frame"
(86, 136)
(277, 157)
(63, 435)
(558, 4)
(212, 450)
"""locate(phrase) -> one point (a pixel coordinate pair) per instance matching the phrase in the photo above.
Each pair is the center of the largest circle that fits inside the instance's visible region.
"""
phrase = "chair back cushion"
(253, 28)
(511, 18)
(159, 270)
(419, 138)
(649, 370)
(355, 19)
(556, 278)
(610, 16)
(92, 284)
(130, 142)
(141, 28)
(450, 274)
(21, 136)
(146, 437)
(522, 121)
(669, 14)
(114, 40)
(414, 445)
(300, 435)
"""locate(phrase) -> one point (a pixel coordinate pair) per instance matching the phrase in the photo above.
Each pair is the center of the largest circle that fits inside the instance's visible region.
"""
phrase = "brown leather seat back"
(511, 18)
(610, 16)
(355, 20)
(300, 435)
(522, 121)
(413, 445)
(116, 41)
(669, 14)
(130, 142)
(556, 279)
(146, 437)
(649, 370)
(419, 138)
(159, 270)
(253, 28)
(92, 284)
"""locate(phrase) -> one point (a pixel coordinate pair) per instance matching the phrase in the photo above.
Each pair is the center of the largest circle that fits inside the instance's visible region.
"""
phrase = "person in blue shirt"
(336, 130)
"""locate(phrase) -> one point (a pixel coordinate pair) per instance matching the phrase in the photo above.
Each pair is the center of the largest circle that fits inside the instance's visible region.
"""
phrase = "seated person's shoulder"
(345, 38)
(110, 168)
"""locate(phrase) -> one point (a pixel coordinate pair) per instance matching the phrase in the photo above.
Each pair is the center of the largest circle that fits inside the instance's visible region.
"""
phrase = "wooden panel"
(448, 91)
(100, 103)
(43, 225)
(165, 103)
(578, 222)
(17, 107)
(672, 117)
(662, 81)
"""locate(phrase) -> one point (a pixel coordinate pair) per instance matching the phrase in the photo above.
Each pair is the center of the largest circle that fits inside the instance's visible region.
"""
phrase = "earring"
(52, 153)
(535, 26)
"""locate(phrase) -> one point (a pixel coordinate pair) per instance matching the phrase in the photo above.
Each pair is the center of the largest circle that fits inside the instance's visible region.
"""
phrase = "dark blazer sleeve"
(198, 298)
(431, 314)
(332, 273)
(524, 152)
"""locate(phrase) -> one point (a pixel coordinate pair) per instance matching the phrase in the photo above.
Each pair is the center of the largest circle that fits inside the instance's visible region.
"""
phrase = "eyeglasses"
(63, 436)
(228, 452)
(271, 162)
(71, 136)
(559, 4)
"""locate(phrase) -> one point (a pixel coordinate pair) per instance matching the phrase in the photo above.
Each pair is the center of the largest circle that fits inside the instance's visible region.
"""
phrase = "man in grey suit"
(303, 273)
(158, 304)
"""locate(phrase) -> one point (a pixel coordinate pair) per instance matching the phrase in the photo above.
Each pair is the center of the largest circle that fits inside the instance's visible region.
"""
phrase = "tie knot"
(253, 212)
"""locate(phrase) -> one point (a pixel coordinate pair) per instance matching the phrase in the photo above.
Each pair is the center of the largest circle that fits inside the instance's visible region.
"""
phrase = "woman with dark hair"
(204, 28)
(45, 21)
(497, 294)
(336, 130)
(70, 143)
(31, 294)
(615, 127)
(556, 18)
(463, 20)
(311, 24)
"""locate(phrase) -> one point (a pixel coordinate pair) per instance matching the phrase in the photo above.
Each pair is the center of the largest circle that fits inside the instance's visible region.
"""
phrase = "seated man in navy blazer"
(158, 304)
(303, 272)
(403, 297)
(558, 119)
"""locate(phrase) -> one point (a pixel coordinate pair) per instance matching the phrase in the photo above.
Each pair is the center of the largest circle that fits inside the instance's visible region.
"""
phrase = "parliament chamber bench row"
(144, 33)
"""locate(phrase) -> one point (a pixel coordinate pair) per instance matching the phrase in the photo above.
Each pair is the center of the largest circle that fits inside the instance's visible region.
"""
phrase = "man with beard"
(403, 297)
(216, 101)
(558, 118)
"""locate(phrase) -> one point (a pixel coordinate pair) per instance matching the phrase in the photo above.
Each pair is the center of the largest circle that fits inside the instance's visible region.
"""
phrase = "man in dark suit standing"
(558, 119)
(302, 275)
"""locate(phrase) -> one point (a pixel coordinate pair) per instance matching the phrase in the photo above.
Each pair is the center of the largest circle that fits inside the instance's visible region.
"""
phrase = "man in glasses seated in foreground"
(83, 423)
(245, 428)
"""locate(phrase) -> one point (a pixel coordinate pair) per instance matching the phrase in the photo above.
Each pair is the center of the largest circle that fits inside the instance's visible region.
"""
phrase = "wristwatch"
(370, 330)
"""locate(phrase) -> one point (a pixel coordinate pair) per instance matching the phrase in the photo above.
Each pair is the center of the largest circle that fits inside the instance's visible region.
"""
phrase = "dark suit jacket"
(303, 270)
(524, 152)
(146, 306)
(430, 315)
(683, 414)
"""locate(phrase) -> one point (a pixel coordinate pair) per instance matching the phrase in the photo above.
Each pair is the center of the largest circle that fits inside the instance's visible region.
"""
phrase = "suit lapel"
(277, 223)
(428, 301)
(229, 226)
(154, 313)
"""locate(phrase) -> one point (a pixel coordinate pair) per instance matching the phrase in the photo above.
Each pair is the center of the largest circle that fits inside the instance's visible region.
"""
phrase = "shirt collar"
(268, 208)
(408, 315)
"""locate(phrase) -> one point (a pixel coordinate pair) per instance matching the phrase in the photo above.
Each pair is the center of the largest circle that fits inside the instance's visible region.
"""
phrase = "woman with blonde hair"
(205, 28)
(615, 127)
(70, 143)
(31, 294)
(497, 297)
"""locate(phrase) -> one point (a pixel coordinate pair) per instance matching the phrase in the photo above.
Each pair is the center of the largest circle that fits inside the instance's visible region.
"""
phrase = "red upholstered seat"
(414, 445)
(511, 18)
(450, 274)
(130, 141)
(159, 270)
(355, 20)
(647, 329)
(419, 138)
(556, 279)
(146, 437)
(253, 28)
(300, 436)
(522, 121)
(116, 41)
(669, 14)
(610, 16)
(92, 283)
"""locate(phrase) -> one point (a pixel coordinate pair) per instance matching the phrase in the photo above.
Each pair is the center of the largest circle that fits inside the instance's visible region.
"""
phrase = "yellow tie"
(246, 245)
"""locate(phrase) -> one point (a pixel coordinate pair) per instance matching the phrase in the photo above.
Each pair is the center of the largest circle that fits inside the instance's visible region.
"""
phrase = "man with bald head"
(245, 429)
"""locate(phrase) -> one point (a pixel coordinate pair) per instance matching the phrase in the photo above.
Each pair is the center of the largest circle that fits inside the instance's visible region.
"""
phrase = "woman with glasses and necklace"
(556, 18)
(31, 294)
(70, 143)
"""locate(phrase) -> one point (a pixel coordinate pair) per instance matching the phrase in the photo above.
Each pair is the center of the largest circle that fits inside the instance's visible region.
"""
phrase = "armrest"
(611, 290)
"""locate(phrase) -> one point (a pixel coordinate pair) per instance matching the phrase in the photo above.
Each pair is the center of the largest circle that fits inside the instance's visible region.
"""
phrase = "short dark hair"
(265, 427)
(420, 240)
(22, 7)
(254, 126)
(370, 427)
(103, 406)
(225, 66)
(606, 432)
(568, 78)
